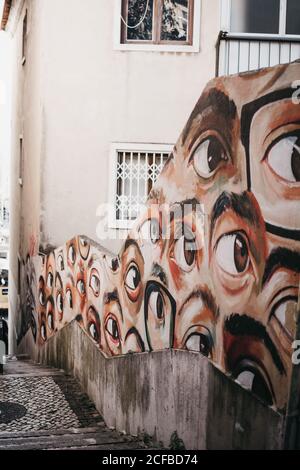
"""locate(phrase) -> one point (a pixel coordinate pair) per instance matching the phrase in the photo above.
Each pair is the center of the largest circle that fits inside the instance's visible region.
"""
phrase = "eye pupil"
(159, 307)
(115, 333)
(240, 253)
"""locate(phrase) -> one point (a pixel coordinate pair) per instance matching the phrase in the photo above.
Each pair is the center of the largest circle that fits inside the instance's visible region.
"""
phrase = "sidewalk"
(43, 408)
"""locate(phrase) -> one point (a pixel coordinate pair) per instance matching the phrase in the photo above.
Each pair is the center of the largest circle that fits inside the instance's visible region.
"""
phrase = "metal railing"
(237, 53)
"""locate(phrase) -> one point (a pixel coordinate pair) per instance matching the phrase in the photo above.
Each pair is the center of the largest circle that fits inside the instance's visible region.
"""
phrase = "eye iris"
(189, 253)
(204, 345)
(93, 332)
(215, 153)
(295, 161)
(240, 253)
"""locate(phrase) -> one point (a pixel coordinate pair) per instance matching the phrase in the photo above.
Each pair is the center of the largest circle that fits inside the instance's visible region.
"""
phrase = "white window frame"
(195, 47)
(116, 147)
(225, 23)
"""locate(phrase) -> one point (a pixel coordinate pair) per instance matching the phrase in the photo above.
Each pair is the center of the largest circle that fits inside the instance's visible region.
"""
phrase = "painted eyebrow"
(158, 272)
(134, 331)
(131, 242)
(218, 101)
(113, 297)
(241, 204)
(247, 115)
(281, 258)
(243, 325)
(207, 298)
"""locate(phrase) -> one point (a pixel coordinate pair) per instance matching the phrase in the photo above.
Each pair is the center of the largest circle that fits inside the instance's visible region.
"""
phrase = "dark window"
(157, 21)
(255, 16)
(293, 17)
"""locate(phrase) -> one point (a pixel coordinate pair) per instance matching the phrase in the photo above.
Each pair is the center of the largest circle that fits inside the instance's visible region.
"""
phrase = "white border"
(195, 47)
(116, 147)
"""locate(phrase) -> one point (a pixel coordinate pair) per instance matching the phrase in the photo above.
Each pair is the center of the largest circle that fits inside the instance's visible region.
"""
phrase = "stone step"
(81, 438)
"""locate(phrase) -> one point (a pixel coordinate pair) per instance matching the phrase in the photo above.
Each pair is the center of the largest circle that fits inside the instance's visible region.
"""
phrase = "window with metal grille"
(136, 170)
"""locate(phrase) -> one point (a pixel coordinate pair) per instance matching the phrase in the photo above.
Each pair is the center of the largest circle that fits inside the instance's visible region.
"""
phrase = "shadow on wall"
(213, 265)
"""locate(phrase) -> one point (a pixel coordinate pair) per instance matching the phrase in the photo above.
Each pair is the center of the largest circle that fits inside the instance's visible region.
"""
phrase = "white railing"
(238, 53)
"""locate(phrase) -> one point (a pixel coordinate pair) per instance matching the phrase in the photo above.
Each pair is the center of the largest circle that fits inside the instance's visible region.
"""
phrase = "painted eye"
(42, 298)
(72, 255)
(157, 305)
(84, 248)
(69, 298)
(132, 282)
(232, 253)
(209, 156)
(93, 331)
(60, 262)
(50, 280)
(185, 253)
(43, 332)
(50, 321)
(81, 287)
(285, 311)
(95, 282)
(253, 380)
(60, 304)
(200, 342)
(284, 158)
(113, 329)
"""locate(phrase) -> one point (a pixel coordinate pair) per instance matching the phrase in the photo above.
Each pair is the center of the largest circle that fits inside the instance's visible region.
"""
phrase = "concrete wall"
(164, 391)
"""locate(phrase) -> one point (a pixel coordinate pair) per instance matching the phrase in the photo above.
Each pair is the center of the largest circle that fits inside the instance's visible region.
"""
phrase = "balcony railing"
(239, 53)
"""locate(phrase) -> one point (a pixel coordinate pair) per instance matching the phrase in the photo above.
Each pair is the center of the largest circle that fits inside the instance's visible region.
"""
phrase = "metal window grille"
(136, 174)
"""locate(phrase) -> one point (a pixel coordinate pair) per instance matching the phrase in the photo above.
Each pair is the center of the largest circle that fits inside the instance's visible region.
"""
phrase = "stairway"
(43, 408)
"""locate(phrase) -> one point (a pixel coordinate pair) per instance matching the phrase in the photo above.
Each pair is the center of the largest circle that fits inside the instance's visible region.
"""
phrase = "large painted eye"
(157, 305)
(232, 253)
(50, 280)
(60, 304)
(69, 298)
(113, 329)
(81, 287)
(200, 342)
(185, 253)
(209, 156)
(284, 158)
(132, 282)
(71, 254)
(252, 379)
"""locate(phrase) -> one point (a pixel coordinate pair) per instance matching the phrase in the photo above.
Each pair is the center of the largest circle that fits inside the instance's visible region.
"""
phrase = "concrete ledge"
(162, 392)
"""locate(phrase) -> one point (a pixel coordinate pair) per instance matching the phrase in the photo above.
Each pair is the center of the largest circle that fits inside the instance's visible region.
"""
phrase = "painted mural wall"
(213, 264)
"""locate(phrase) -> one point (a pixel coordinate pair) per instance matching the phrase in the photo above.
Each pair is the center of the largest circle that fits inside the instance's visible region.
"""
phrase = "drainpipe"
(292, 418)
(221, 35)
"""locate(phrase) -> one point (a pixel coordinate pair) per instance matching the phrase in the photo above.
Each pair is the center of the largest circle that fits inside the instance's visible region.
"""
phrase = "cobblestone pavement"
(43, 408)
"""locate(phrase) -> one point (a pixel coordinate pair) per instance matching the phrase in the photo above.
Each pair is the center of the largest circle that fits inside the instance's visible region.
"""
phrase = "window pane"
(255, 16)
(293, 17)
(174, 26)
(140, 20)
